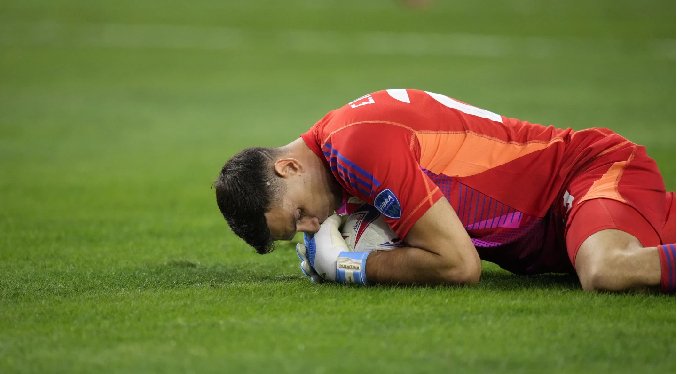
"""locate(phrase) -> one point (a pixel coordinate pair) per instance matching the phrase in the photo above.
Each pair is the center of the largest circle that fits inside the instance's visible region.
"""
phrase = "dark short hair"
(245, 190)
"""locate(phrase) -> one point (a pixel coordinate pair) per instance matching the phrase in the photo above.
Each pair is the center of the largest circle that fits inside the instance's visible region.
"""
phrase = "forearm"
(439, 252)
(411, 265)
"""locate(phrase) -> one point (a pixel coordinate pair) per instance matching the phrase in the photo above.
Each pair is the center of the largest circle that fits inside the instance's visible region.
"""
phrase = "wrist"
(351, 268)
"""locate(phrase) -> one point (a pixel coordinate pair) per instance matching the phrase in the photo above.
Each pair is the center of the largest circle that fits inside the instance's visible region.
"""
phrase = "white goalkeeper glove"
(325, 255)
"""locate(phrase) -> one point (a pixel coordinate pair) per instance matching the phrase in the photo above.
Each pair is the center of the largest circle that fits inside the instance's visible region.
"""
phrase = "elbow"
(466, 268)
(469, 276)
(463, 274)
(472, 277)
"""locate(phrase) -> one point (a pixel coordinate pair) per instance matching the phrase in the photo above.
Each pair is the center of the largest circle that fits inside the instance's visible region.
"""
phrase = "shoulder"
(392, 110)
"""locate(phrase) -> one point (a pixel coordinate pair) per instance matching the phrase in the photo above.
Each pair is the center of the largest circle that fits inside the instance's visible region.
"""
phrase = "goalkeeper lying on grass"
(459, 184)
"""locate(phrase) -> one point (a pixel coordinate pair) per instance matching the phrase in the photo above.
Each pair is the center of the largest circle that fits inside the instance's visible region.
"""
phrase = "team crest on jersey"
(387, 203)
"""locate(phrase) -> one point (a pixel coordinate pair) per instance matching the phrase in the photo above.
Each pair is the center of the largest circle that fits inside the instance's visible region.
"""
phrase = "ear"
(288, 167)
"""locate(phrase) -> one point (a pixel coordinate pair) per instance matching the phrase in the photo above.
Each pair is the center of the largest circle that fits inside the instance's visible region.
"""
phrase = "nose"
(309, 225)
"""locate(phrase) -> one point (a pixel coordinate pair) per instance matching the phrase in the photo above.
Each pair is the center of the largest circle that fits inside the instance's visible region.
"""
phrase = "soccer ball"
(366, 230)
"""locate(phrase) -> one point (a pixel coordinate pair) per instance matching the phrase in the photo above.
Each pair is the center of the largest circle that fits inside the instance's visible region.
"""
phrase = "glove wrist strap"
(351, 268)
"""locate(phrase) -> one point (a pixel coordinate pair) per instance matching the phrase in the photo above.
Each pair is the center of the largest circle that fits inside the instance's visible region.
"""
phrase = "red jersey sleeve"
(377, 162)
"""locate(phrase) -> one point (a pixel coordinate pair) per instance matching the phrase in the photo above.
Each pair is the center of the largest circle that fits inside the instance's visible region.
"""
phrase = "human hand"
(325, 255)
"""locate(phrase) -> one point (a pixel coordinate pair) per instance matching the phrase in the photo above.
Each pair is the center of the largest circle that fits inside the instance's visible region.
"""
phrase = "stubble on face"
(281, 222)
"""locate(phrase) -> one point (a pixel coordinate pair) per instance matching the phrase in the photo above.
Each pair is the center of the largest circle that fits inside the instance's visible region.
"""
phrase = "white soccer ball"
(366, 230)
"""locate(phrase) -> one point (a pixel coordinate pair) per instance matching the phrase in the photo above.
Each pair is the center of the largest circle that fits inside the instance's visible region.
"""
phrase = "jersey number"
(361, 101)
(403, 96)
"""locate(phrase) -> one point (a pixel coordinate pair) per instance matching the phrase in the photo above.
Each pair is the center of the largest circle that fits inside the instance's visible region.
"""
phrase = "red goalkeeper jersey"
(402, 150)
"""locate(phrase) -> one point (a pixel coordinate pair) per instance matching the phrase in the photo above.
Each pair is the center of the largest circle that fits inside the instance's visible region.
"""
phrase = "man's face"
(301, 208)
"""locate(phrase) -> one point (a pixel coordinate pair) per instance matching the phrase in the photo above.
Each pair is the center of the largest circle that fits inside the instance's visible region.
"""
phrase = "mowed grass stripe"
(318, 41)
(333, 327)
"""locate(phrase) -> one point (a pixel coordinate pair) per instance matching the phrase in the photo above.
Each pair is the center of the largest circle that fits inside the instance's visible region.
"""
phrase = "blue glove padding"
(309, 241)
(351, 268)
(306, 268)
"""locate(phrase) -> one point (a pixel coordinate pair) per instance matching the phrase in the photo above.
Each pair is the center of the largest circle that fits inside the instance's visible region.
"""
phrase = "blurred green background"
(116, 116)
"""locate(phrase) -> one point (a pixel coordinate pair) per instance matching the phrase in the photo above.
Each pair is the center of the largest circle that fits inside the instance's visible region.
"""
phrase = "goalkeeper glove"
(325, 255)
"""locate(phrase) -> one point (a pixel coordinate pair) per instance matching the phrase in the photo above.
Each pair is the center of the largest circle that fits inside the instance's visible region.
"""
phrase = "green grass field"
(116, 116)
